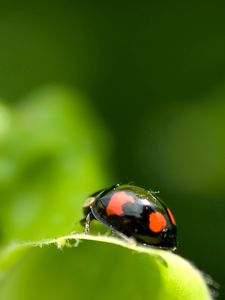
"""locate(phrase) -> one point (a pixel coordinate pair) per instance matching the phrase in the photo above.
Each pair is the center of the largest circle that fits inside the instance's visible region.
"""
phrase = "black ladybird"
(132, 212)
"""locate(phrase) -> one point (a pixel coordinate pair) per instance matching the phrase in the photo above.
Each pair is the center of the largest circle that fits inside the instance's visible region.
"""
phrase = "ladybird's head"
(90, 200)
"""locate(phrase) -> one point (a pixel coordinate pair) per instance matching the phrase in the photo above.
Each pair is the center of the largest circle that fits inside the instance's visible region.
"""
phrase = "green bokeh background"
(96, 93)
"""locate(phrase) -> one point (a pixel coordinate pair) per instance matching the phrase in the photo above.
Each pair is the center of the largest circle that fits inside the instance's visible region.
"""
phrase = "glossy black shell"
(134, 221)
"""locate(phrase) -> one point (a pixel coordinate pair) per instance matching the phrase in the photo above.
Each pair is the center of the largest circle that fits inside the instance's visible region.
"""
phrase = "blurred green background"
(95, 93)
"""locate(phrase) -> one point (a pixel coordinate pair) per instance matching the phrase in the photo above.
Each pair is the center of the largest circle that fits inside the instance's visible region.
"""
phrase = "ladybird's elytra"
(132, 211)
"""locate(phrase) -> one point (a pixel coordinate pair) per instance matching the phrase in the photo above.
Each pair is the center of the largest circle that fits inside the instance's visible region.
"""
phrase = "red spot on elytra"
(157, 221)
(115, 205)
(171, 217)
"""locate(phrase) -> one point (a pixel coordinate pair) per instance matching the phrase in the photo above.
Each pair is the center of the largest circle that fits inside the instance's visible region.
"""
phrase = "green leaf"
(98, 267)
(51, 157)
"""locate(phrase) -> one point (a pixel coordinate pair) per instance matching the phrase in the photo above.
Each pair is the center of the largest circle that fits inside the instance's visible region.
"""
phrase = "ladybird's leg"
(88, 219)
(87, 224)
(124, 237)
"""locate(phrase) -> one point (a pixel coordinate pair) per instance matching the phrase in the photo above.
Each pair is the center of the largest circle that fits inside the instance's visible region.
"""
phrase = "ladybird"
(132, 212)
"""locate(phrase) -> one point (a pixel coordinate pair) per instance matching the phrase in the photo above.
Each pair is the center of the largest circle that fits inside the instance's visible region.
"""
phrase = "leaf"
(51, 157)
(99, 267)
